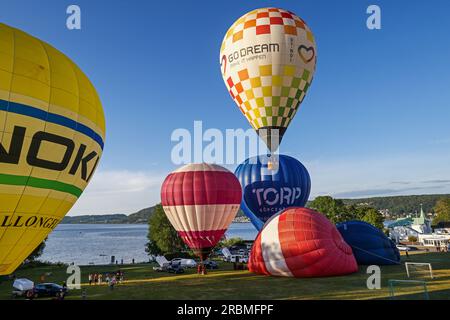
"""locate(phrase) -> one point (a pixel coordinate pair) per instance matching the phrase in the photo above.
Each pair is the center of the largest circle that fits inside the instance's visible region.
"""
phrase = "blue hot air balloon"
(271, 186)
(369, 244)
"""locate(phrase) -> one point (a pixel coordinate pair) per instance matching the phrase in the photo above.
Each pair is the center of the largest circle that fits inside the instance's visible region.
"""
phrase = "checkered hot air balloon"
(268, 59)
(200, 201)
(299, 242)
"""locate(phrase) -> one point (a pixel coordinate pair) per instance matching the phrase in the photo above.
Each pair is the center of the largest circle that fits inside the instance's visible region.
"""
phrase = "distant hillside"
(140, 217)
(96, 219)
(398, 205)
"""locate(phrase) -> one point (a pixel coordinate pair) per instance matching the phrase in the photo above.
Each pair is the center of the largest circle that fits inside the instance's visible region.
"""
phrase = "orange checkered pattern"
(266, 21)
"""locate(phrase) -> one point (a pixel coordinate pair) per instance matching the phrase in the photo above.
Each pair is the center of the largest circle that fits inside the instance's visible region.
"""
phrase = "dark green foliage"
(401, 205)
(442, 210)
(163, 238)
(226, 243)
(37, 252)
(337, 211)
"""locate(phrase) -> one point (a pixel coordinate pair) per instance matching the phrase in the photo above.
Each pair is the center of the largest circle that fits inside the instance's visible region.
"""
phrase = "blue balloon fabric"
(271, 186)
(370, 245)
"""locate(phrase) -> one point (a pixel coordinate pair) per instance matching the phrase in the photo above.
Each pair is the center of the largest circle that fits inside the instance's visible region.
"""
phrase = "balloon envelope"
(299, 242)
(268, 59)
(200, 201)
(271, 186)
(52, 131)
(369, 244)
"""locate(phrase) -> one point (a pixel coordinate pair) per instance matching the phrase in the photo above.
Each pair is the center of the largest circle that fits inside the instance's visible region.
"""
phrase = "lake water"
(95, 243)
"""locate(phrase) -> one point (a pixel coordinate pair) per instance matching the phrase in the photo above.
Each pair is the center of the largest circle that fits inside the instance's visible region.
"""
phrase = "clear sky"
(376, 120)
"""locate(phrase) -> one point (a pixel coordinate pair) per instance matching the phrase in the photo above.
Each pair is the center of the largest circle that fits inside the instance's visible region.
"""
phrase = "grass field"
(225, 283)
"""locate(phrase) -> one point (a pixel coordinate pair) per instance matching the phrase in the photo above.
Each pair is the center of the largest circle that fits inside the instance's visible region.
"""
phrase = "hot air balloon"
(268, 59)
(52, 131)
(271, 187)
(200, 201)
(369, 244)
(299, 242)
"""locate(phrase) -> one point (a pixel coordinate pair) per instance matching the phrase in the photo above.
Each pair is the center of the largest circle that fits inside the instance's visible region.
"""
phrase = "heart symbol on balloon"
(306, 53)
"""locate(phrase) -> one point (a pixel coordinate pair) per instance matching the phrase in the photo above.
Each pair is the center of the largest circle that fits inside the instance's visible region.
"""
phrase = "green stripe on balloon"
(14, 180)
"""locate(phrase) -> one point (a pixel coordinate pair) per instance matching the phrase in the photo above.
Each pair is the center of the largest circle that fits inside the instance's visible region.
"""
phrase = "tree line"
(164, 240)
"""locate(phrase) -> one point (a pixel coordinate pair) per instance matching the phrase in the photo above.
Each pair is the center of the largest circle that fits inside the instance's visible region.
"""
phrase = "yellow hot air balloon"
(52, 131)
(268, 58)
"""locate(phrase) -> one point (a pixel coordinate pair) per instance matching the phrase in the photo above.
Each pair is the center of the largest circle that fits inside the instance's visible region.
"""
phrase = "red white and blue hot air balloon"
(300, 242)
(200, 201)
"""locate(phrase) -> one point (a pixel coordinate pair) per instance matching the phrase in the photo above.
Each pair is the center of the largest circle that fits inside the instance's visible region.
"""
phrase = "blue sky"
(375, 121)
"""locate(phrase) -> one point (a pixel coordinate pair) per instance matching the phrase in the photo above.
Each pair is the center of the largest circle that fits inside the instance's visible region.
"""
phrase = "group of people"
(110, 278)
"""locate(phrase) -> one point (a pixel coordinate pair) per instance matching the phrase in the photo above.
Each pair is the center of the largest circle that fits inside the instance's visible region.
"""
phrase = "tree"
(226, 243)
(163, 238)
(372, 216)
(37, 252)
(442, 210)
(334, 209)
(337, 211)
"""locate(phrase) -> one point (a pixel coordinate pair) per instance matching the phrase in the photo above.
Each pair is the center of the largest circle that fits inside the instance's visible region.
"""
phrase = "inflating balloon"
(268, 59)
(300, 242)
(200, 201)
(369, 244)
(52, 130)
(271, 186)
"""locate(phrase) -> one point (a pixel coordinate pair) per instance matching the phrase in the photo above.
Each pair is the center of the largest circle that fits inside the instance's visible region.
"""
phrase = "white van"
(184, 263)
(239, 258)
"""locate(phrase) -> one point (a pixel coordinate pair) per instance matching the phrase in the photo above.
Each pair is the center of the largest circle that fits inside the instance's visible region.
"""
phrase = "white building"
(421, 224)
(434, 240)
(403, 228)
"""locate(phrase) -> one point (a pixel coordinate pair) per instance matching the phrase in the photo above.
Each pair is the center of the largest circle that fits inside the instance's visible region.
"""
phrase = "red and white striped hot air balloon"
(300, 242)
(200, 201)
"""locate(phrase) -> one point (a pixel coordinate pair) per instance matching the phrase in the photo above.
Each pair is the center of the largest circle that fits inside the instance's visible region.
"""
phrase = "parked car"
(209, 264)
(48, 290)
(176, 268)
(185, 263)
(238, 258)
(21, 287)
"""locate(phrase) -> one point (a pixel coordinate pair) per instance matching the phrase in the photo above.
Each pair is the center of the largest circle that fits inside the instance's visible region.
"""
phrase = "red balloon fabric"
(300, 242)
(201, 200)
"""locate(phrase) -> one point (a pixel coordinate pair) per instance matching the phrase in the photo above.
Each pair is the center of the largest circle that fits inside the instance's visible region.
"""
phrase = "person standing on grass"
(112, 283)
(90, 278)
(203, 270)
(100, 276)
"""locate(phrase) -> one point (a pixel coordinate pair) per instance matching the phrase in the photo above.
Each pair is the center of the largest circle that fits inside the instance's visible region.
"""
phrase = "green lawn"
(144, 283)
